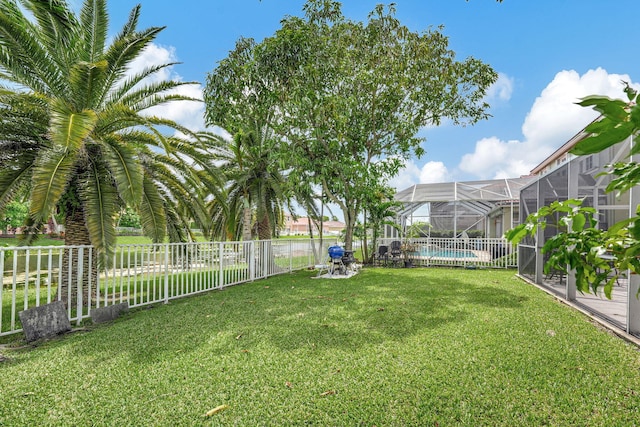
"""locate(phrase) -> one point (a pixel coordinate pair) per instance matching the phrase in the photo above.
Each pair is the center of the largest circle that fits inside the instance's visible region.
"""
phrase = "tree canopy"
(349, 98)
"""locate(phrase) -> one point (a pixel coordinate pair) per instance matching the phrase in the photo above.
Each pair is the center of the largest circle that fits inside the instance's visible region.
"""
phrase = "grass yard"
(46, 241)
(389, 347)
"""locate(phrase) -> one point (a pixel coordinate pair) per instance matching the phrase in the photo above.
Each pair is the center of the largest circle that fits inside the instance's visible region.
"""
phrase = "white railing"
(139, 274)
(450, 252)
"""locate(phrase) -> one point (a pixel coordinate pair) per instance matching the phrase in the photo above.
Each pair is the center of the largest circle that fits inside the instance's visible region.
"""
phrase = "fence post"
(266, 249)
(212, 263)
(166, 273)
(89, 278)
(1, 283)
(290, 256)
(220, 263)
(79, 284)
(252, 260)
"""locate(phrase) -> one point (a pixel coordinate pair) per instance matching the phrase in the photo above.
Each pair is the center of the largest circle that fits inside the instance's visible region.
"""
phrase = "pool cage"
(461, 223)
(482, 209)
(581, 178)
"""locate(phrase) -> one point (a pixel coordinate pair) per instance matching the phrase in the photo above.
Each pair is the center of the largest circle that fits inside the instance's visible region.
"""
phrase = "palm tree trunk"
(77, 234)
(264, 228)
(246, 222)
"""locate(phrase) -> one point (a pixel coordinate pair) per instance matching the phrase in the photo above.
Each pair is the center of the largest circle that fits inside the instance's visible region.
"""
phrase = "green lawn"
(121, 240)
(42, 241)
(389, 347)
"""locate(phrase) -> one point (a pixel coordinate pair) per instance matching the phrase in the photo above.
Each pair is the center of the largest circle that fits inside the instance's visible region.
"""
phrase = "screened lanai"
(484, 208)
(582, 178)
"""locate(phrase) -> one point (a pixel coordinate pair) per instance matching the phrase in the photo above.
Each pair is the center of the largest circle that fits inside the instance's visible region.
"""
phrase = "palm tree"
(76, 132)
(255, 186)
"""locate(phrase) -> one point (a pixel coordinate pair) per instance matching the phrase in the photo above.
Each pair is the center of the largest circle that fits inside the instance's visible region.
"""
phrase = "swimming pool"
(446, 253)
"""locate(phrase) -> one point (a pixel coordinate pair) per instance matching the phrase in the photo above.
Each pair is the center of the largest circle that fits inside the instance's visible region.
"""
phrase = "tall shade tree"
(76, 131)
(352, 96)
(238, 99)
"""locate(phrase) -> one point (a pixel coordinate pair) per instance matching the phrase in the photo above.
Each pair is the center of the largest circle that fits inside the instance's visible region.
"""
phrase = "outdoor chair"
(382, 256)
(396, 252)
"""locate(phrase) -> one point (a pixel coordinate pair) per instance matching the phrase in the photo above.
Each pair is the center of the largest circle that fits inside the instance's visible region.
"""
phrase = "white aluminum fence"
(140, 274)
(450, 252)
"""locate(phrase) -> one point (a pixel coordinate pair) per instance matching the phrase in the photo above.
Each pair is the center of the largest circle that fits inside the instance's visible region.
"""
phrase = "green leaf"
(615, 228)
(70, 129)
(608, 287)
(101, 204)
(598, 142)
(125, 169)
(578, 222)
(152, 215)
(50, 177)
(613, 108)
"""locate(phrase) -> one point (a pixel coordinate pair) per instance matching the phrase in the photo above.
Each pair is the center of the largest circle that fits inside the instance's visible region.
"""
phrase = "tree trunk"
(264, 228)
(246, 224)
(350, 223)
(77, 234)
(365, 246)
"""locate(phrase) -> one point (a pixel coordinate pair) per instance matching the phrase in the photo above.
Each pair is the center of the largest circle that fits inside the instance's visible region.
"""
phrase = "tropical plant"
(14, 215)
(85, 142)
(129, 218)
(596, 257)
(380, 211)
(239, 101)
(254, 191)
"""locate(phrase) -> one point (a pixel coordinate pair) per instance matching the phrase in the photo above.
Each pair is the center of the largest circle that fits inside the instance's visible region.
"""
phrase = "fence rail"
(451, 252)
(140, 274)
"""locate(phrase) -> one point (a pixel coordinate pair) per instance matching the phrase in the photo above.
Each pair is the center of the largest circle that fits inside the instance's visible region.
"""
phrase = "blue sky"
(549, 53)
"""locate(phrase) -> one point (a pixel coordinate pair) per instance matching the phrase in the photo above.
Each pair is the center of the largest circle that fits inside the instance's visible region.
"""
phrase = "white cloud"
(553, 119)
(413, 174)
(187, 113)
(154, 55)
(502, 89)
(433, 172)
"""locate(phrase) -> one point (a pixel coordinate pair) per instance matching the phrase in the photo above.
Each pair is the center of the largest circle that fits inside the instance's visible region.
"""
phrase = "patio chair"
(382, 256)
(396, 252)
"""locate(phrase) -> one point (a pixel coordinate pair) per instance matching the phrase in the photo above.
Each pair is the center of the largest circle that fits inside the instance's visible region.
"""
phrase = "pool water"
(447, 253)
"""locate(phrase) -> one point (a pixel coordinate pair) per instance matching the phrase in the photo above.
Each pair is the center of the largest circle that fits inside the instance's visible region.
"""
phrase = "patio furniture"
(396, 252)
(382, 256)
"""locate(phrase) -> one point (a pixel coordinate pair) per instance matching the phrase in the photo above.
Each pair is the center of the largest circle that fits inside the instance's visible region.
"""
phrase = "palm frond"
(100, 200)
(95, 23)
(87, 83)
(156, 94)
(51, 174)
(55, 20)
(124, 50)
(151, 211)
(124, 168)
(130, 26)
(13, 182)
(24, 60)
(176, 227)
(118, 118)
(129, 82)
(184, 190)
(69, 128)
